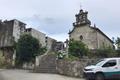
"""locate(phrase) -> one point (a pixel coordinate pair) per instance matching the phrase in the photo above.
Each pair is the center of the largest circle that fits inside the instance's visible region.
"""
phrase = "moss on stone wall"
(3, 62)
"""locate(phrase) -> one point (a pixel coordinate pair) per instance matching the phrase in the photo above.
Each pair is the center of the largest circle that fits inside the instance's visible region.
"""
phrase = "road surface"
(26, 75)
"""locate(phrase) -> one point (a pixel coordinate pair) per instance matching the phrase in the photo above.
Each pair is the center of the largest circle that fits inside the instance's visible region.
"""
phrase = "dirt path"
(25, 75)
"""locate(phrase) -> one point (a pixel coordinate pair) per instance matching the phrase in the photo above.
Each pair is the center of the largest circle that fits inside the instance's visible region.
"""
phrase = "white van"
(108, 68)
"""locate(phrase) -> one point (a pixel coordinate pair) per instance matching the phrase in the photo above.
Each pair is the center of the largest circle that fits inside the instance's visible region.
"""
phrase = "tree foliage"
(77, 48)
(27, 49)
(118, 43)
(106, 52)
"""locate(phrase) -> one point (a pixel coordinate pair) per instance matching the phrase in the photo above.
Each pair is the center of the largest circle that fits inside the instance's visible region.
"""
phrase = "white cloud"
(55, 17)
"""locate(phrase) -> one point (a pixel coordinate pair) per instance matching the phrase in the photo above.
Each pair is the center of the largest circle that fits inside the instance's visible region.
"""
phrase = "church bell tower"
(81, 19)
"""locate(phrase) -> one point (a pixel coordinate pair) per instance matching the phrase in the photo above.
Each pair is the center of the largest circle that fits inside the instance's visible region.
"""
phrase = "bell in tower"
(81, 18)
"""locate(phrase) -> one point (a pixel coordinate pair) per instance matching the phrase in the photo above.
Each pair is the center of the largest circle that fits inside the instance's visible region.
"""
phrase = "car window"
(110, 63)
(119, 61)
(100, 62)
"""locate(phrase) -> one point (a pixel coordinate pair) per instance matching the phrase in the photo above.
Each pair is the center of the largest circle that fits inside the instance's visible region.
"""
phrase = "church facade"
(92, 36)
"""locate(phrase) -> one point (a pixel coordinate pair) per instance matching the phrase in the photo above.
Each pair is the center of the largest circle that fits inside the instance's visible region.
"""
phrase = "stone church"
(92, 36)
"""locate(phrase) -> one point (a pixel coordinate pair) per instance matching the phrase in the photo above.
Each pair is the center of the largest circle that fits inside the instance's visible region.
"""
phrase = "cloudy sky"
(55, 17)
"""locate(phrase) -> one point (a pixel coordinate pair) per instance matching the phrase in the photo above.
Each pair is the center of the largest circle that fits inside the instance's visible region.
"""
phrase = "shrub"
(27, 49)
(77, 48)
(102, 53)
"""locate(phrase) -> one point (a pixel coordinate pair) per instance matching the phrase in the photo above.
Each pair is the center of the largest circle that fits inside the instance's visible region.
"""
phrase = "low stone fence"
(49, 64)
(73, 68)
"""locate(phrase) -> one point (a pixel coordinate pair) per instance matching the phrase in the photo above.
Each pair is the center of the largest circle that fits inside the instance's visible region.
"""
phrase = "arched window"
(81, 37)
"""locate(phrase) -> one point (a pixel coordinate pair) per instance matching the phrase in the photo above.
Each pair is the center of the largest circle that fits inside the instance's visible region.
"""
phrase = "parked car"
(108, 68)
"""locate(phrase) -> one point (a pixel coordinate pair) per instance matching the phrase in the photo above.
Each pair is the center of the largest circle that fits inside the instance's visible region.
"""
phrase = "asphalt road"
(1, 77)
(26, 75)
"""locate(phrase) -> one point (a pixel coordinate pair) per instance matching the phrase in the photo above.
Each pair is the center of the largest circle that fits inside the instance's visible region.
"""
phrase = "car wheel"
(99, 76)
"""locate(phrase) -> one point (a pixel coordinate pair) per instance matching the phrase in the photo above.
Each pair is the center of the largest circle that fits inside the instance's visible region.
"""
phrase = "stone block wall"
(73, 68)
(38, 35)
(49, 64)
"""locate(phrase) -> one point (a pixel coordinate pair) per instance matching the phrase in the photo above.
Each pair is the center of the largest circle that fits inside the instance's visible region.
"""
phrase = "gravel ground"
(25, 75)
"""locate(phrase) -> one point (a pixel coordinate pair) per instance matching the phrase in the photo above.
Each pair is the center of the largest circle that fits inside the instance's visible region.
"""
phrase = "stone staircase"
(47, 64)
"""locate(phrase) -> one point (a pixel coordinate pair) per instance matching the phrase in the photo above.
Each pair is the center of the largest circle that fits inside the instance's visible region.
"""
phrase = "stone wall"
(88, 36)
(74, 68)
(38, 35)
(18, 29)
(49, 64)
(103, 41)
(6, 34)
(10, 32)
(50, 43)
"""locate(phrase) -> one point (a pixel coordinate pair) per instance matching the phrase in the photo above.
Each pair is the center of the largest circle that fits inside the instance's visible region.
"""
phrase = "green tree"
(118, 43)
(77, 48)
(27, 49)
(42, 50)
(106, 52)
(103, 52)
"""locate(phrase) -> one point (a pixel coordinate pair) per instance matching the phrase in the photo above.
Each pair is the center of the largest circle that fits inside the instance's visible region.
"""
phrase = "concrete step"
(47, 64)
